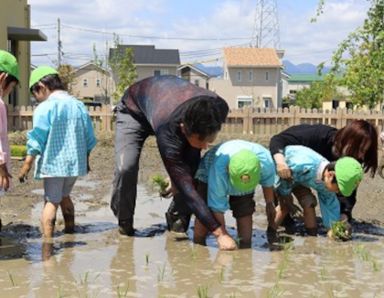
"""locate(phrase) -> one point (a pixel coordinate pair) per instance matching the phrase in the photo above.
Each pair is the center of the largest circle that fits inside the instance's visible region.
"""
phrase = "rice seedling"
(221, 275)
(84, 278)
(275, 291)
(122, 292)
(161, 272)
(11, 279)
(160, 183)
(366, 256)
(146, 259)
(340, 231)
(202, 291)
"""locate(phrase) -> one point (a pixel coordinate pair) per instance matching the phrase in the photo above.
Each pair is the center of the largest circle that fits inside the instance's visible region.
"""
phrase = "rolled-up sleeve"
(37, 137)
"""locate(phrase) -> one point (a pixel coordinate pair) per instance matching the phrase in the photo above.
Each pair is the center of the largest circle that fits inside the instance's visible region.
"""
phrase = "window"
(85, 83)
(250, 76)
(244, 101)
(156, 73)
(97, 82)
(292, 91)
(267, 102)
(239, 76)
(267, 76)
(197, 83)
(164, 72)
(335, 104)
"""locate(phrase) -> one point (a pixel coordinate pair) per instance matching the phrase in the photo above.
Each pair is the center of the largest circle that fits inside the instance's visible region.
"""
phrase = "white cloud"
(302, 41)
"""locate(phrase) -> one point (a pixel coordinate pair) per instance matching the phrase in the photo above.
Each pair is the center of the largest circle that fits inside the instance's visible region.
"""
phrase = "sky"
(199, 29)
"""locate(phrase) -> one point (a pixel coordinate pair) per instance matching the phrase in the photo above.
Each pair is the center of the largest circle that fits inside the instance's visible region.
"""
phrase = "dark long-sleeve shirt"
(160, 103)
(318, 137)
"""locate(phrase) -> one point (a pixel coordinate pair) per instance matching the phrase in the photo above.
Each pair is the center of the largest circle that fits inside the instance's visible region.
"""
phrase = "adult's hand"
(4, 177)
(225, 242)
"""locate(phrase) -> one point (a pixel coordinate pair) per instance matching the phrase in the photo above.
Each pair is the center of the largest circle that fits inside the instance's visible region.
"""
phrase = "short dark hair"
(52, 82)
(331, 167)
(203, 117)
(9, 79)
(350, 139)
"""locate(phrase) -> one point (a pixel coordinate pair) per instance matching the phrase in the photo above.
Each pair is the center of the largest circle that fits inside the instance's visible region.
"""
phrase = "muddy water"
(97, 262)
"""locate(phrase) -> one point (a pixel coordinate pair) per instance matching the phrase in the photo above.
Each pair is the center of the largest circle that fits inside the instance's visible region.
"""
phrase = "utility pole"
(266, 25)
(58, 44)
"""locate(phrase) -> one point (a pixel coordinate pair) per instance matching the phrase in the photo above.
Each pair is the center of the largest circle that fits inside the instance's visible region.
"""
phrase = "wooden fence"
(262, 122)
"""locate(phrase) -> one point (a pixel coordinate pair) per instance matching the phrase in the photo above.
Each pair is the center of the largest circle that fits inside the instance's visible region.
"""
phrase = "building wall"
(16, 13)
(91, 75)
(256, 85)
(232, 94)
(145, 71)
(195, 78)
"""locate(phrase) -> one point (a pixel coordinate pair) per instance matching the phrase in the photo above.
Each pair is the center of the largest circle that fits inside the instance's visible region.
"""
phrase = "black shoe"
(126, 228)
(176, 222)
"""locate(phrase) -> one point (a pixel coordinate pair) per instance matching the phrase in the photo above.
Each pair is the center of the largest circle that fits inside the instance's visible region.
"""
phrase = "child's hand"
(23, 174)
(4, 177)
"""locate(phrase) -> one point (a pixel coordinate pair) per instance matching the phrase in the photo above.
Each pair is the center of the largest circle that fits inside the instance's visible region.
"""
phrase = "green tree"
(359, 59)
(124, 71)
(313, 97)
(66, 75)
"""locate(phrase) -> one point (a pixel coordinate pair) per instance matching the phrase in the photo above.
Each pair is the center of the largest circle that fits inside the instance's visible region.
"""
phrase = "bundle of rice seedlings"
(340, 231)
(18, 150)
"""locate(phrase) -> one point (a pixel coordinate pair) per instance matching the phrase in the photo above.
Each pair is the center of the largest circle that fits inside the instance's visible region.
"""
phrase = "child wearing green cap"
(227, 177)
(310, 169)
(9, 77)
(61, 141)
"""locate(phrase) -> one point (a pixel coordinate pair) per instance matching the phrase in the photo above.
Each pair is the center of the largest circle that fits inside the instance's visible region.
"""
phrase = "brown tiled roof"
(258, 57)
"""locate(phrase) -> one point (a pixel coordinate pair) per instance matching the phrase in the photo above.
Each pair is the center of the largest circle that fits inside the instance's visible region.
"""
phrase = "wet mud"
(96, 261)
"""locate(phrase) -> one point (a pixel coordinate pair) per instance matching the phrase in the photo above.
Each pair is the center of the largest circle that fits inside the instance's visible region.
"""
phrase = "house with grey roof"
(150, 61)
(199, 74)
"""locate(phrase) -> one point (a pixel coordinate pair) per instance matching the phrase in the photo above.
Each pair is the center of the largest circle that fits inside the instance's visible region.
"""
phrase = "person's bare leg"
(200, 233)
(310, 221)
(48, 219)
(244, 231)
(68, 210)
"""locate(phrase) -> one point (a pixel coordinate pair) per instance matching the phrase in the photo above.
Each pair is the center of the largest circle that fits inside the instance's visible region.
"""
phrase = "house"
(15, 37)
(297, 82)
(252, 77)
(150, 61)
(92, 82)
(199, 74)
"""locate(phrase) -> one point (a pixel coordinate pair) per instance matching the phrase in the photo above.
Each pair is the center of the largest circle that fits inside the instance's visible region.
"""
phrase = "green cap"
(349, 173)
(8, 64)
(39, 73)
(244, 170)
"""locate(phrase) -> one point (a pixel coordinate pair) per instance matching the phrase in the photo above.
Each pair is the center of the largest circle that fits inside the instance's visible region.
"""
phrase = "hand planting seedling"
(161, 184)
(340, 230)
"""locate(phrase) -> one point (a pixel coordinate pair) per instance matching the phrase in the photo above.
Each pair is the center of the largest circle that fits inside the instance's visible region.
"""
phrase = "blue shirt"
(61, 138)
(213, 170)
(307, 166)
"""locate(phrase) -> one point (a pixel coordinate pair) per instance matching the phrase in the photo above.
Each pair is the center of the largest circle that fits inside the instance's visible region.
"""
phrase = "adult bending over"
(184, 119)
(358, 139)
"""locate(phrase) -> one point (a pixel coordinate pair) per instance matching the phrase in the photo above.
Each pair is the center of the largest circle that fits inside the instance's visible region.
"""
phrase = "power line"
(152, 36)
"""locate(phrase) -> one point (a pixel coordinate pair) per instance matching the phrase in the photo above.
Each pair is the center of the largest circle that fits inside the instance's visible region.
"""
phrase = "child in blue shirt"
(227, 177)
(61, 141)
(310, 169)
